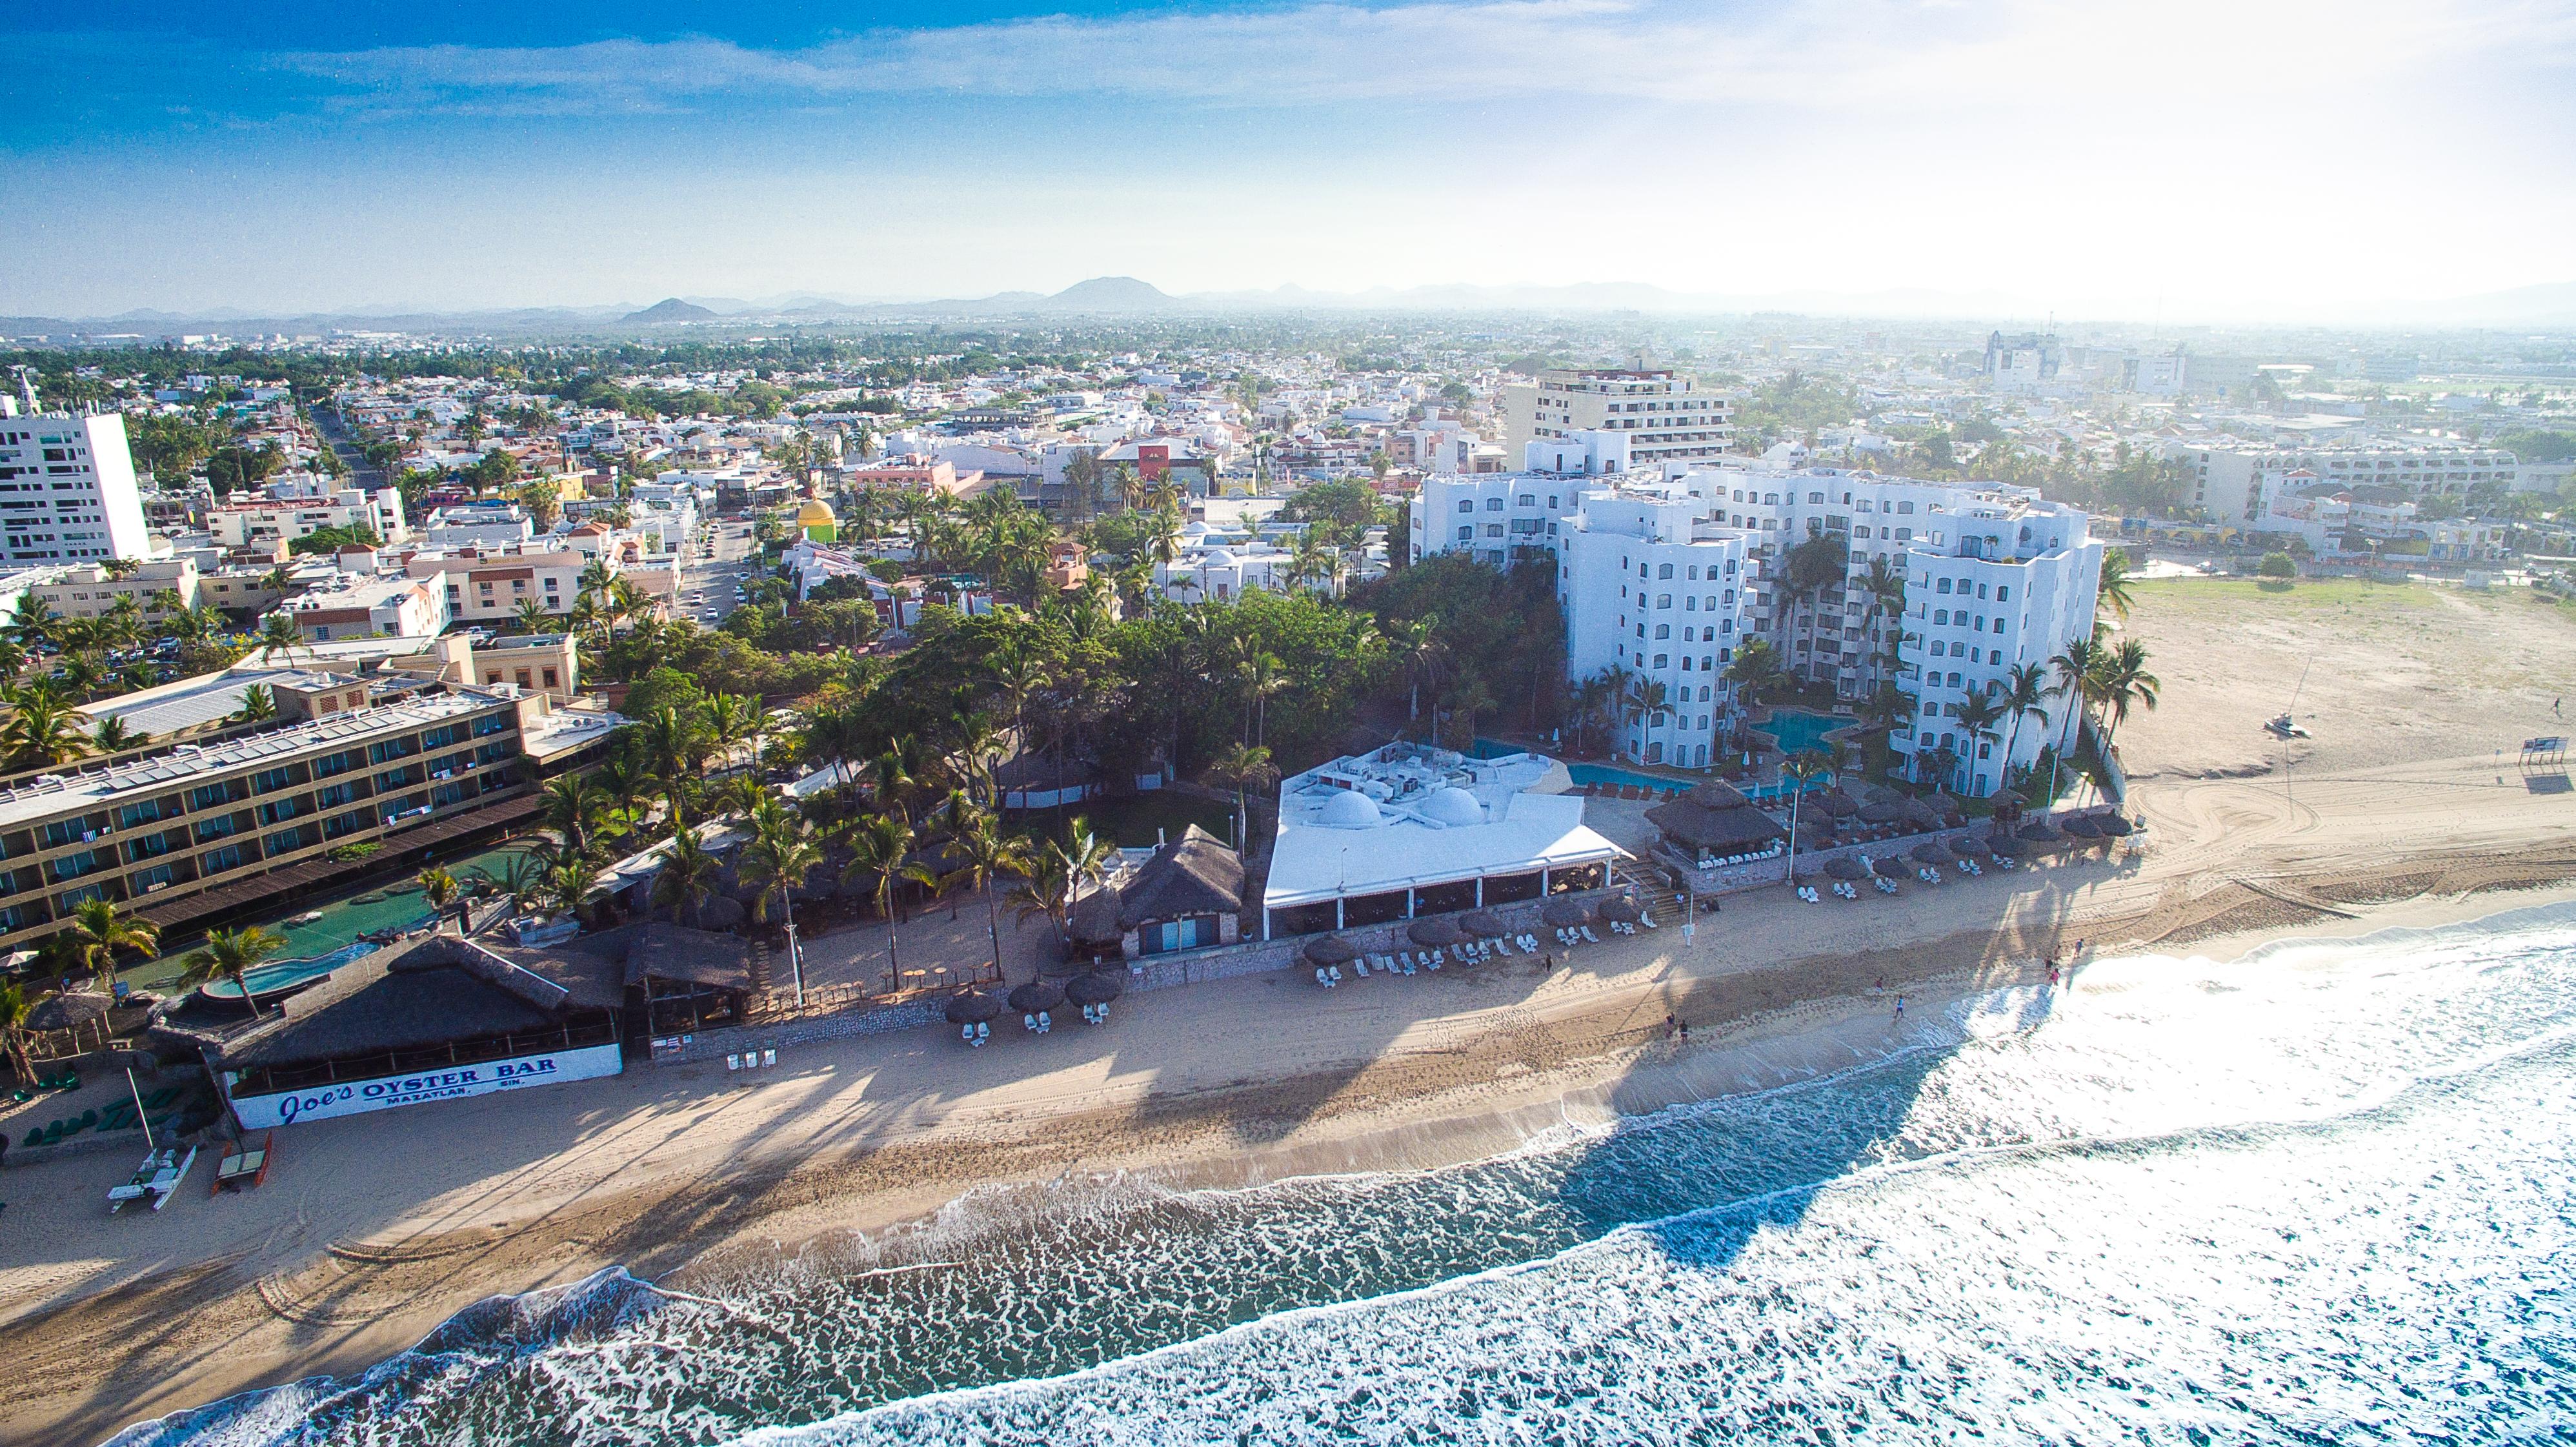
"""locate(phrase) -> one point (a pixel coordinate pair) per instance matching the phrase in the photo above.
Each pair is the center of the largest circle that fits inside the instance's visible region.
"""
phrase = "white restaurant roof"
(1409, 816)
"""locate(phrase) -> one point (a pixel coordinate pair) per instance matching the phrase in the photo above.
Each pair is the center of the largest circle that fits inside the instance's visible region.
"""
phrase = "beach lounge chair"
(1319, 978)
(733, 1061)
(244, 1168)
(966, 1033)
(1588, 936)
(1046, 1021)
(1336, 971)
(1436, 959)
(1359, 966)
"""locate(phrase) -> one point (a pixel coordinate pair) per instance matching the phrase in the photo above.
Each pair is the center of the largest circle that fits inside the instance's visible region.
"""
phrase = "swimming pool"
(1798, 731)
(278, 975)
(1613, 774)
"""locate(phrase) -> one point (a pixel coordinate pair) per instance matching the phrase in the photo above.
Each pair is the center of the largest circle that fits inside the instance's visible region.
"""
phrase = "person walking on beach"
(1685, 1029)
(1900, 1007)
(1668, 1027)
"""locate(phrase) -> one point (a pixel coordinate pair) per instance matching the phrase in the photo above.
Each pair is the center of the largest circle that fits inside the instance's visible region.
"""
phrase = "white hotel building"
(67, 490)
(1664, 418)
(1667, 577)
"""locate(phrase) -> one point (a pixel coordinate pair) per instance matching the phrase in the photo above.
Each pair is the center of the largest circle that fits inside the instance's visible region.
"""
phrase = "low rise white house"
(1410, 830)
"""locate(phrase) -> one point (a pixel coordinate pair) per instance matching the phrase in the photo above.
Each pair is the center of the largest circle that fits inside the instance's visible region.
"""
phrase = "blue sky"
(2212, 157)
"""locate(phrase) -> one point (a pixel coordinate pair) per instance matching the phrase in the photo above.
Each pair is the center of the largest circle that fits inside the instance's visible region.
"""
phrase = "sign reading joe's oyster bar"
(454, 1082)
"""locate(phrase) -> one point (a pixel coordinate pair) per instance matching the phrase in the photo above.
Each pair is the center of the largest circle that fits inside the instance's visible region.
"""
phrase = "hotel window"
(1663, 630)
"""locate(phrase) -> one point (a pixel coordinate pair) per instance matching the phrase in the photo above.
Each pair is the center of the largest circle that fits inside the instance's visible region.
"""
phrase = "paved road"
(707, 584)
(326, 420)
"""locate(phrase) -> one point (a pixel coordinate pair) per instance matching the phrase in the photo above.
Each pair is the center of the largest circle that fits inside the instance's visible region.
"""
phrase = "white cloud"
(1874, 53)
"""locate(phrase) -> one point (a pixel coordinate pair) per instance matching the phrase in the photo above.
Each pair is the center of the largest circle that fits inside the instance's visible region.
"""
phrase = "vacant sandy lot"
(2392, 675)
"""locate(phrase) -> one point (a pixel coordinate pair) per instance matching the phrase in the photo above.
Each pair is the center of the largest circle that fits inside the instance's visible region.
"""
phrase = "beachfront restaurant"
(436, 1018)
(1411, 830)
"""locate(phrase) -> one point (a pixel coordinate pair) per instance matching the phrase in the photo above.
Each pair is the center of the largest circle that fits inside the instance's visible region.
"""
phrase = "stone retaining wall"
(1153, 972)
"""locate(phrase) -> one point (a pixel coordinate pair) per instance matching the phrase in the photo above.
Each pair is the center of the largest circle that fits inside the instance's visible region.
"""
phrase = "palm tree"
(99, 930)
(1245, 766)
(521, 879)
(2074, 668)
(31, 622)
(781, 853)
(1977, 720)
(988, 854)
(1756, 670)
(2122, 682)
(2025, 693)
(441, 889)
(675, 747)
(1059, 868)
(1798, 771)
(232, 955)
(568, 882)
(572, 807)
(258, 706)
(689, 874)
(278, 634)
(42, 729)
(531, 616)
(879, 846)
(1648, 699)
(733, 720)
(2114, 593)
(15, 1005)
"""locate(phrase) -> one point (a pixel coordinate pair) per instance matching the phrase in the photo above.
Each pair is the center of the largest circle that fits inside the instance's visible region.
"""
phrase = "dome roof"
(1348, 810)
(816, 513)
(1454, 807)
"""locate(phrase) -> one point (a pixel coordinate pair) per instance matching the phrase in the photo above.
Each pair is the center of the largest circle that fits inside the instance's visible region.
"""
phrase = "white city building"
(1664, 416)
(1991, 585)
(67, 490)
(240, 524)
(1666, 579)
(2237, 484)
(1653, 590)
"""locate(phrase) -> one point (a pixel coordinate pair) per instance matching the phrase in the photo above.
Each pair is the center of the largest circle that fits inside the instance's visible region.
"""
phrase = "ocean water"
(2323, 1195)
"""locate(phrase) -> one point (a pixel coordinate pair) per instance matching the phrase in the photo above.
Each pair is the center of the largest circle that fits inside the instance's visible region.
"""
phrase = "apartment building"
(486, 587)
(90, 591)
(1499, 518)
(1996, 584)
(1666, 417)
(165, 829)
(67, 489)
(357, 605)
(2236, 484)
(244, 524)
(1653, 590)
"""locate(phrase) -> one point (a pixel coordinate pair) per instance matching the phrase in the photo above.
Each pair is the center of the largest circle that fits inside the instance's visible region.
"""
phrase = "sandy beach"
(373, 1229)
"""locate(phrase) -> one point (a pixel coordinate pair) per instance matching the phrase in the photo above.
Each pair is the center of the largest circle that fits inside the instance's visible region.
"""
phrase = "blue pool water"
(1799, 731)
(279, 974)
(2326, 1194)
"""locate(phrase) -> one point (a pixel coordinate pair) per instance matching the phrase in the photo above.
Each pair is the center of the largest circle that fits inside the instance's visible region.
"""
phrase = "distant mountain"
(1111, 294)
(671, 309)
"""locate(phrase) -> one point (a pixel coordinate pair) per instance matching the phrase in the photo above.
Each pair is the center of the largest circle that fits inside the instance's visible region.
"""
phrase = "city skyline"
(2258, 162)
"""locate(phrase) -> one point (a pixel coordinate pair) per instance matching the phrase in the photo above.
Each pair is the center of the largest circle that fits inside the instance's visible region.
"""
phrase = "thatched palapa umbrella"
(2038, 832)
(2005, 846)
(1331, 950)
(2081, 827)
(1845, 867)
(1566, 913)
(1036, 996)
(1891, 867)
(1931, 852)
(1097, 988)
(973, 1007)
(1434, 931)
(1885, 811)
(1483, 924)
(2115, 826)
(1621, 911)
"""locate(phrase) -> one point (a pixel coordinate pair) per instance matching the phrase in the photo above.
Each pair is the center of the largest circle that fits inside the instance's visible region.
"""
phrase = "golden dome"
(816, 513)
